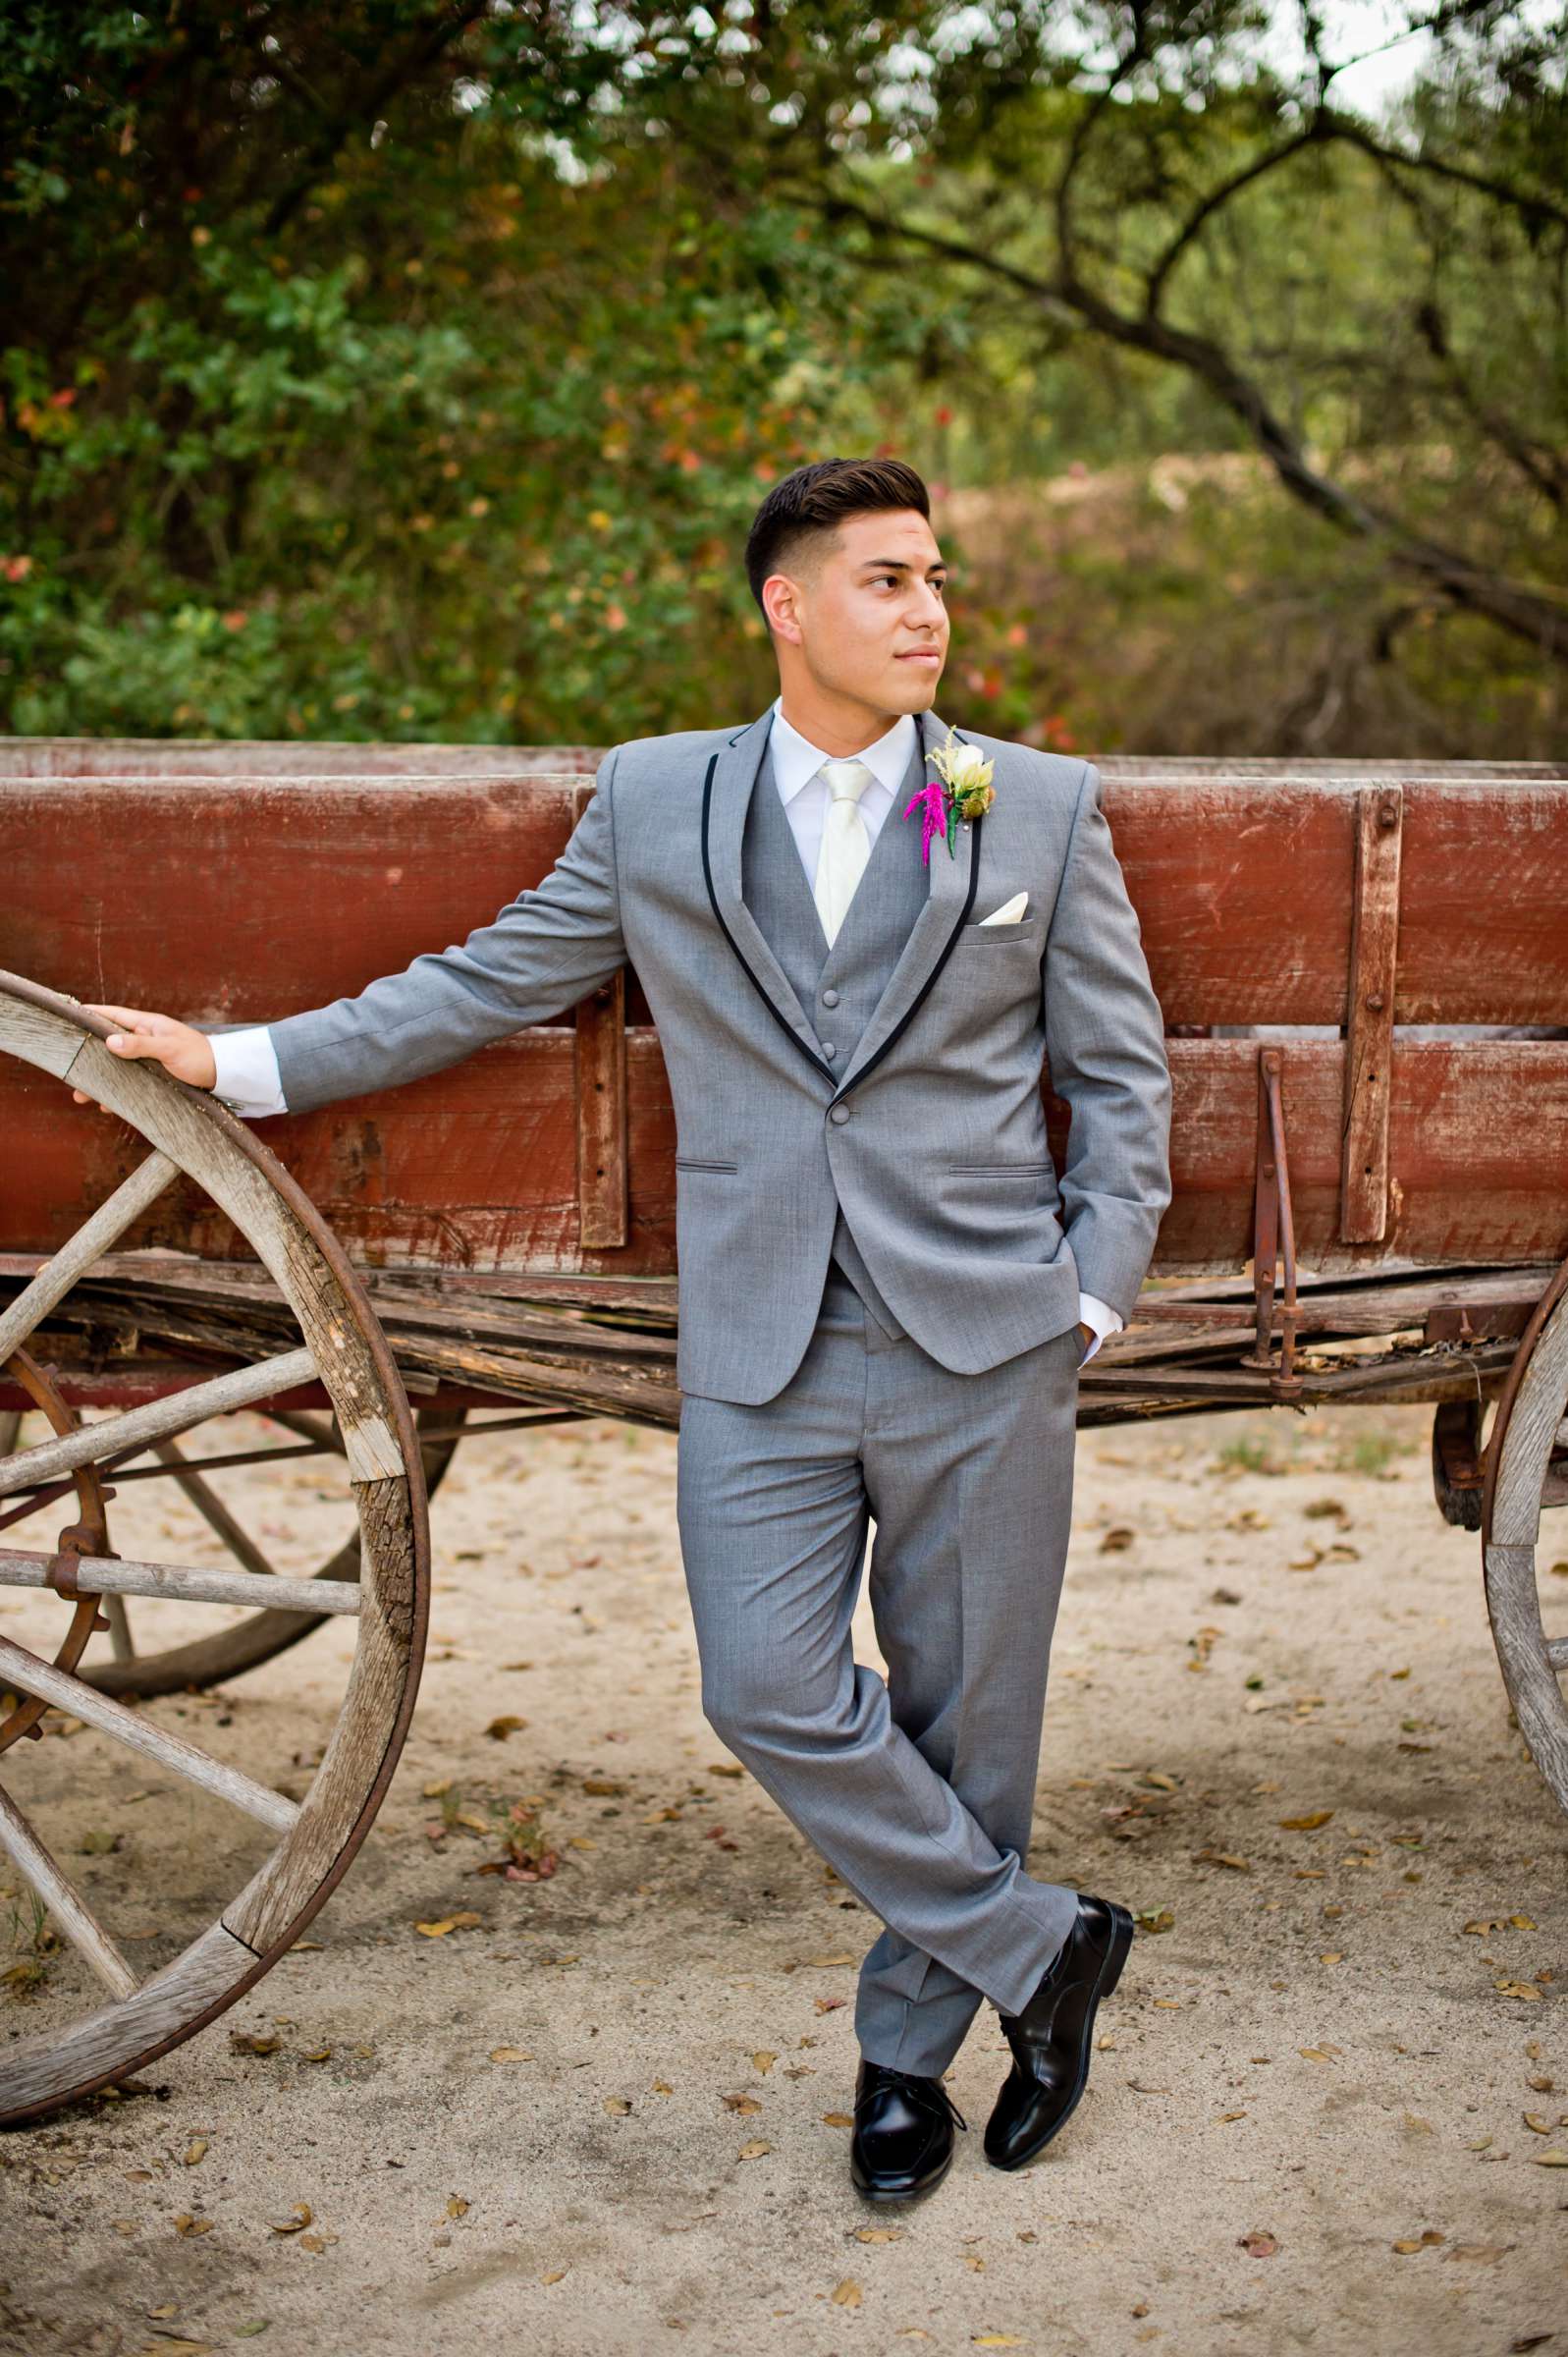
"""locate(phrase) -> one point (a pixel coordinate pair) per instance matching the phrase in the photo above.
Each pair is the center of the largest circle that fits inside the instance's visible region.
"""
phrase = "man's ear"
(779, 602)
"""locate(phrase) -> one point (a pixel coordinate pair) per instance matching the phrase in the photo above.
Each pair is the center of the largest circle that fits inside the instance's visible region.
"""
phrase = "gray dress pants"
(918, 1790)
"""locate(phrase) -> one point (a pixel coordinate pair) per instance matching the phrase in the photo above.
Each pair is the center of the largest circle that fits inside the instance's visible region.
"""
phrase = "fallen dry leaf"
(617, 2105)
(846, 2294)
(185, 2223)
(302, 2216)
(753, 2152)
(1308, 1824)
(746, 2105)
(450, 1923)
(509, 1724)
(764, 2060)
(457, 2207)
(510, 2053)
(198, 2150)
(1555, 2158)
(1259, 2245)
(838, 2119)
(879, 2234)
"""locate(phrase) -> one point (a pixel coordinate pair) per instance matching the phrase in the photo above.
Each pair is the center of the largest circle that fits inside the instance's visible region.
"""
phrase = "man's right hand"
(185, 1052)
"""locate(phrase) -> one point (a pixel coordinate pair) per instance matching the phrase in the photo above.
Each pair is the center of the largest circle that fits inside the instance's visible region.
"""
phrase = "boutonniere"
(961, 790)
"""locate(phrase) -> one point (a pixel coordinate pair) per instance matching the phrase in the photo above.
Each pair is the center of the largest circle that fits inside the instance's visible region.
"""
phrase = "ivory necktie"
(845, 844)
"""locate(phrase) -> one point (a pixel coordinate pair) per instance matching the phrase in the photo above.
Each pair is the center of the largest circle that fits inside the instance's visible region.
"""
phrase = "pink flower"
(933, 816)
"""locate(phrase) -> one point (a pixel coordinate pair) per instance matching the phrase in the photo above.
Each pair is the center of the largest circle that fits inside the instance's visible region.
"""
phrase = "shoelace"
(919, 2090)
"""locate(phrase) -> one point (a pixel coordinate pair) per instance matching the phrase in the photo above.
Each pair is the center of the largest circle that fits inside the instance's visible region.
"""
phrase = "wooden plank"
(1477, 1142)
(603, 1146)
(1243, 890)
(475, 1171)
(1370, 1016)
(1241, 876)
(206, 759)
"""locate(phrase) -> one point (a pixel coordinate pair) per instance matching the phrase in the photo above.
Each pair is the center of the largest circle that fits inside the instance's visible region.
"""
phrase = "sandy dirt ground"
(604, 2111)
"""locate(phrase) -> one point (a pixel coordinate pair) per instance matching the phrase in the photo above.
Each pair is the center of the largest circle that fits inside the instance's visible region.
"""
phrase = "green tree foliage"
(412, 371)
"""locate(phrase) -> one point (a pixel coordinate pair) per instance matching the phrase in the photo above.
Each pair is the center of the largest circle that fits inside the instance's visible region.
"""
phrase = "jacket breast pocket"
(1028, 932)
(696, 1162)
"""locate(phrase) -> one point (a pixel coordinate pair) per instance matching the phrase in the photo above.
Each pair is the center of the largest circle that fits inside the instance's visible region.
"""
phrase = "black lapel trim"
(820, 1062)
(962, 918)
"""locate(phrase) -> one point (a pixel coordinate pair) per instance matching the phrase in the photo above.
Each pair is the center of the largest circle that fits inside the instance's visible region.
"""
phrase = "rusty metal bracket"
(1273, 1237)
(73, 1542)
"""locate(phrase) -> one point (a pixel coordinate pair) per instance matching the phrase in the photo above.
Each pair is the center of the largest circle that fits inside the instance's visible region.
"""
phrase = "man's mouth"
(921, 654)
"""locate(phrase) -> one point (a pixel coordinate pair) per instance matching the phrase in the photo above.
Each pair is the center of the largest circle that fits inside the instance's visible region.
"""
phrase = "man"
(885, 1293)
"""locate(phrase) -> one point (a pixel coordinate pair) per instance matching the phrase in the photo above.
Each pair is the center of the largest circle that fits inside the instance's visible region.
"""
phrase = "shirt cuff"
(247, 1079)
(1092, 1311)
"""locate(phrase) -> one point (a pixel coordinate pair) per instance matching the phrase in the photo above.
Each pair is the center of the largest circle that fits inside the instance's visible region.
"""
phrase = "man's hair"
(816, 499)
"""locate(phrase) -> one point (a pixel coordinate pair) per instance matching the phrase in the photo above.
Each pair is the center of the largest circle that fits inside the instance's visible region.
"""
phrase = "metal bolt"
(1375, 1001)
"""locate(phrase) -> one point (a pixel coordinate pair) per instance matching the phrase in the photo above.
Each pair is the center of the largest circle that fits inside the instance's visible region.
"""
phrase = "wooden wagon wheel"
(259, 1636)
(1527, 1471)
(306, 1843)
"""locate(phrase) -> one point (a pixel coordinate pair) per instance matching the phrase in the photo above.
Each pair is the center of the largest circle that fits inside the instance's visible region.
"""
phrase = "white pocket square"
(1009, 912)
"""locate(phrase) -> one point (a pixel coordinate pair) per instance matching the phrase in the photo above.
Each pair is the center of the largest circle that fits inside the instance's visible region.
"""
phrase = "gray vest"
(887, 899)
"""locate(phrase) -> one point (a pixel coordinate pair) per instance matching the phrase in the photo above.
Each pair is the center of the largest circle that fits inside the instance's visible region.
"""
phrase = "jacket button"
(837, 1113)
(830, 998)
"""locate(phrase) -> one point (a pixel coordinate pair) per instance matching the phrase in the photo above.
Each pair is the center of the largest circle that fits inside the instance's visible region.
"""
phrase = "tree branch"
(1522, 611)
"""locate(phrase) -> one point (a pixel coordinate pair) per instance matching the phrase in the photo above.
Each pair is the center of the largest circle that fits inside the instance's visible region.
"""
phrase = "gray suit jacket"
(929, 1131)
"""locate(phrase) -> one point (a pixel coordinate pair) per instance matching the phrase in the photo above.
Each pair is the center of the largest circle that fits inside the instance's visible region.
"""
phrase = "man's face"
(866, 610)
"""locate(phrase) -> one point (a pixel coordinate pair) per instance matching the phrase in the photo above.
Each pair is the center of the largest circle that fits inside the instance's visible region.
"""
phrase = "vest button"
(837, 1113)
(830, 998)
(827, 1048)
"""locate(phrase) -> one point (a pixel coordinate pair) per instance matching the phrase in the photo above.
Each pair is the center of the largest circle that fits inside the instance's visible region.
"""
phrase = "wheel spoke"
(140, 1426)
(30, 1675)
(211, 1507)
(111, 1577)
(69, 1909)
(91, 1240)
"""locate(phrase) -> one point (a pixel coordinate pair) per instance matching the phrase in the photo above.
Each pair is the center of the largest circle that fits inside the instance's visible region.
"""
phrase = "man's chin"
(916, 684)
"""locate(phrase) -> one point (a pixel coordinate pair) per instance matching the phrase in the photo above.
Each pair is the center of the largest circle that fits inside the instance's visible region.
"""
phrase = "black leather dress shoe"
(1051, 2038)
(902, 2144)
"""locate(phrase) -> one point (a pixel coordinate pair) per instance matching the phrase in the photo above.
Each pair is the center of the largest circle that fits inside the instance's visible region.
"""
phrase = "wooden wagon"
(1365, 979)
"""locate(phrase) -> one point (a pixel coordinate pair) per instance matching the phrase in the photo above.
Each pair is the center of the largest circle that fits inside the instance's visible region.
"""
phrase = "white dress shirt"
(248, 1078)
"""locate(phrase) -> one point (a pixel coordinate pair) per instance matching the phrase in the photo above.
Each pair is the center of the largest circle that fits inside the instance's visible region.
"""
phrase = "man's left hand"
(1088, 1334)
